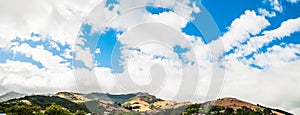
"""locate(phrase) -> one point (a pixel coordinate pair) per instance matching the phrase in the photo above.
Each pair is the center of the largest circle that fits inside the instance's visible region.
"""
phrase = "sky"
(182, 50)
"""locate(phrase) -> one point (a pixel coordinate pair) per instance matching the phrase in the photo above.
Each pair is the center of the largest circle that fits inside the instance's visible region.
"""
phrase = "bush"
(22, 110)
(56, 110)
(229, 111)
(80, 112)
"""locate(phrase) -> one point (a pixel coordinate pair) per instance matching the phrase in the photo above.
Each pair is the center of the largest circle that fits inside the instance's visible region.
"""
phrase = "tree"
(217, 108)
(229, 111)
(2, 109)
(80, 112)
(56, 110)
(267, 111)
(192, 109)
(22, 110)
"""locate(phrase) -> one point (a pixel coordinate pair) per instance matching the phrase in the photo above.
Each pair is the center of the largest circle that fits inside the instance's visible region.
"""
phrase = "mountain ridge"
(137, 102)
(11, 95)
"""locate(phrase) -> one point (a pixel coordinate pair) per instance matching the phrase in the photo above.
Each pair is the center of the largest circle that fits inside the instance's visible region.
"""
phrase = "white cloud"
(98, 51)
(84, 55)
(241, 28)
(274, 57)
(293, 1)
(266, 13)
(276, 5)
(39, 54)
(286, 29)
(58, 20)
(133, 13)
(26, 77)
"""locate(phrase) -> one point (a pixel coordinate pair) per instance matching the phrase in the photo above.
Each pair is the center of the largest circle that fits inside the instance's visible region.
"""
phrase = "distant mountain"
(11, 95)
(109, 97)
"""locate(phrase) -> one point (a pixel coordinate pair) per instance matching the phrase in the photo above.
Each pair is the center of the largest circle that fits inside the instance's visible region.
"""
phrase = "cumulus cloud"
(57, 19)
(286, 28)
(293, 1)
(241, 28)
(125, 15)
(26, 77)
(276, 5)
(46, 58)
(266, 13)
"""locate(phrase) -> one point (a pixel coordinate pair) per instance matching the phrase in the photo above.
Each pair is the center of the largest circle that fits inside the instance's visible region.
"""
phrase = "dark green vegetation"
(192, 109)
(53, 109)
(18, 110)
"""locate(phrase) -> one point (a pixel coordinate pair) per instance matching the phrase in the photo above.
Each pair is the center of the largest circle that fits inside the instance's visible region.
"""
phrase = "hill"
(124, 103)
(233, 106)
(109, 97)
(74, 97)
(43, 102)
(11, 95)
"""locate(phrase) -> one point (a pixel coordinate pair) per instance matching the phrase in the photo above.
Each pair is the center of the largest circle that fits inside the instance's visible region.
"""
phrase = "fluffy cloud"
(241, 28)
(293, 1)
(26, 77)
(125, 15)
(286, 28)
(276, 5)
(46, 58)
(57, 19)
(266, 13)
